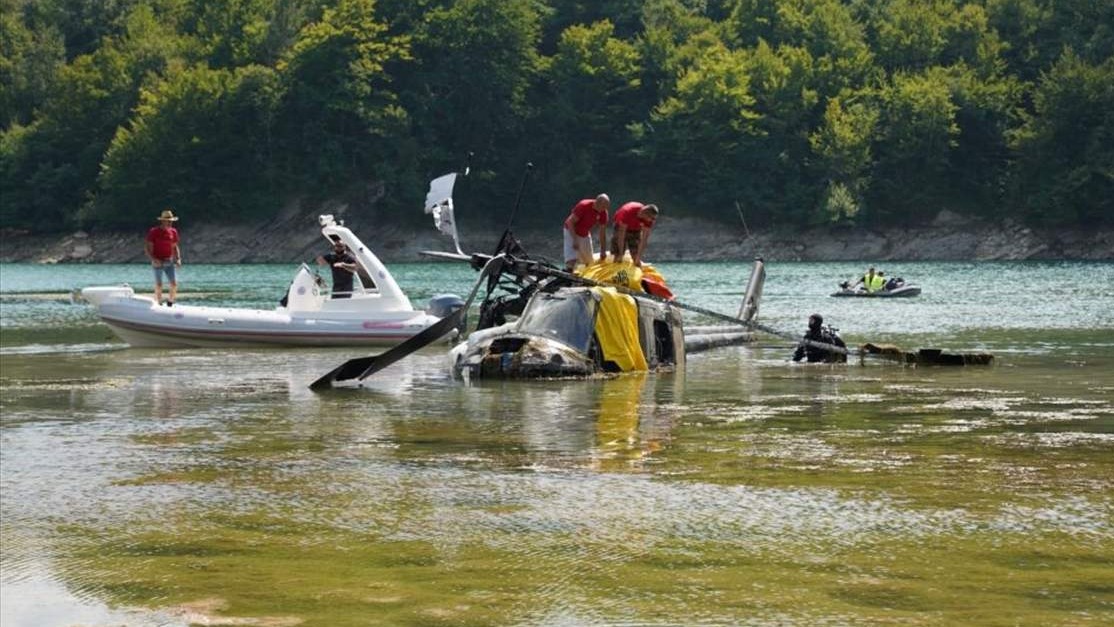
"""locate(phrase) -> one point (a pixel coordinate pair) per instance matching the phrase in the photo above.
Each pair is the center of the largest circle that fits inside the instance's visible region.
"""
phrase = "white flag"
(439, 202)
(440, 190)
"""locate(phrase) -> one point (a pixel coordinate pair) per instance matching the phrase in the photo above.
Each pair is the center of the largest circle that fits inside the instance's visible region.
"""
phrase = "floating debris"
(926, 356)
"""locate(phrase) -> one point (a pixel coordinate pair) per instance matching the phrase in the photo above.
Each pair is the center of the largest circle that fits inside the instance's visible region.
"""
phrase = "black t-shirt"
(342, 278)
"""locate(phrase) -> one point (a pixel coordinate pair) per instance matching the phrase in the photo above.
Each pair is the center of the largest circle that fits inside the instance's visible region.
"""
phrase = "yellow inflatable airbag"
(617, 329)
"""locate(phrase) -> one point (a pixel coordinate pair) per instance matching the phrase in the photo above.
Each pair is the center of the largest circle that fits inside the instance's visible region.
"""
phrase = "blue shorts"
(167, 267)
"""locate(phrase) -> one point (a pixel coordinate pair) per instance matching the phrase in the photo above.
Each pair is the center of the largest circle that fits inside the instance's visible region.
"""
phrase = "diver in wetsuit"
(817, 332)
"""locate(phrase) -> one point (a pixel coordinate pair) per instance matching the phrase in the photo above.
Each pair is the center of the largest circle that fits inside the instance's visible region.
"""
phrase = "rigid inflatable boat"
(375, 313)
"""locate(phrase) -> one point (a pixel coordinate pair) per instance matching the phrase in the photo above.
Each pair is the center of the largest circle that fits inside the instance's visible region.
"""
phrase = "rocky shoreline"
(294, 237)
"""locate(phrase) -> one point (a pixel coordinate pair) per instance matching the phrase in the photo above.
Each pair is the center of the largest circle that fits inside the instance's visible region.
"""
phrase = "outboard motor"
(442, 305)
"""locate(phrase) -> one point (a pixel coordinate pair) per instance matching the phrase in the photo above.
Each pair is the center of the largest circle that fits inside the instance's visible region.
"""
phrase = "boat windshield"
(566, 317)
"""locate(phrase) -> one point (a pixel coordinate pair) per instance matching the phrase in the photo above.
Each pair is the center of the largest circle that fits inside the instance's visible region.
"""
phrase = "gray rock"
(294, 236)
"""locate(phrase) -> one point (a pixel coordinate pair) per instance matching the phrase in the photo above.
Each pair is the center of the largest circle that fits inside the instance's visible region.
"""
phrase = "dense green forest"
(799, 112)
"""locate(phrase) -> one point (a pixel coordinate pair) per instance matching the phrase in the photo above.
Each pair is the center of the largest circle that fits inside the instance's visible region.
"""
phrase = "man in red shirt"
(162, 249)
(633, 222)
(585, 215)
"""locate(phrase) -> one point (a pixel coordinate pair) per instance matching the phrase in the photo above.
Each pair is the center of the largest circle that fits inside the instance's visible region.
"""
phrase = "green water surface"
(175, 487)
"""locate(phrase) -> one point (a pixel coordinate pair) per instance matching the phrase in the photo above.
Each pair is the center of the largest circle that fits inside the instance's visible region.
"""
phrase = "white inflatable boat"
(376, 313)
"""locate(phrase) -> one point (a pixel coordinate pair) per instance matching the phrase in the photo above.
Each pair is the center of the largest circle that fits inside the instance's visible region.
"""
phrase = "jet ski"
(899, 290)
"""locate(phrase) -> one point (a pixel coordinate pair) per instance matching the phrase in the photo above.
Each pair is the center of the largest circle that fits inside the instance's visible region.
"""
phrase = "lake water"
(176, 487)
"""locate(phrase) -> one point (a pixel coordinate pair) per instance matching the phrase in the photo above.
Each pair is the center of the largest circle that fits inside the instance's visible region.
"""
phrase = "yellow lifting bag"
(617, 329)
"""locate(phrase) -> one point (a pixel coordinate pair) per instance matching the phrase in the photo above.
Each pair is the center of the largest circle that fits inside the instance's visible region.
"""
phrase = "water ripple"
(49, 349)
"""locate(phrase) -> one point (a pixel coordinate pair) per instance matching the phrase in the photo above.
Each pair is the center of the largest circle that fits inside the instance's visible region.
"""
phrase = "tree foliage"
(592, 80)
(202, 142)
(798, 111)
(1066, 147)
(474, 63)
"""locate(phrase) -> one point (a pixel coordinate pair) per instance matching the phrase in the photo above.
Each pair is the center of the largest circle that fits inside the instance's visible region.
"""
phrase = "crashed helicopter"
(576, 325)
(539, 321)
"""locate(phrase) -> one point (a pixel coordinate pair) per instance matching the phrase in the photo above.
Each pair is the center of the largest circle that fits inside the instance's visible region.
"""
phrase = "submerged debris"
(926, 356)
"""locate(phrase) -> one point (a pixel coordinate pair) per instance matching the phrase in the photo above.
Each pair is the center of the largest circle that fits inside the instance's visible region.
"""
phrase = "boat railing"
(361, 291)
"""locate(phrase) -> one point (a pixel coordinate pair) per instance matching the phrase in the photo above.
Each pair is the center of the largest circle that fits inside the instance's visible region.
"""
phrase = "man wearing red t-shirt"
(633, 222)
(162, 249)
(585, 215)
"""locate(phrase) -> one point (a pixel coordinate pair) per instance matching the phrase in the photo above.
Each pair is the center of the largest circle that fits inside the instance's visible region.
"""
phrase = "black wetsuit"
(815, 353)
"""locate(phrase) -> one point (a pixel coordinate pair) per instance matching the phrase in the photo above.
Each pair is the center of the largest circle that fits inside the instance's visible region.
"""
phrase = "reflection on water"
(212, 487)
(215, 480)
(41, 602)
(623, 439)
(42, 349)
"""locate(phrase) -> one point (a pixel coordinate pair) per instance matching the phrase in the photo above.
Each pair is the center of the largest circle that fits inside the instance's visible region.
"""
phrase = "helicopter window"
(567, 318)
(663, 342)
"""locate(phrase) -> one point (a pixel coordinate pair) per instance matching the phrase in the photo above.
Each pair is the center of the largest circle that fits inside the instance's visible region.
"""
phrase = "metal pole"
(518, 198)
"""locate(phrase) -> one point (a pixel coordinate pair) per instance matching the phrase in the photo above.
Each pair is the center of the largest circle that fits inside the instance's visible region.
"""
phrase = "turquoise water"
(152, 487)
(958, 298)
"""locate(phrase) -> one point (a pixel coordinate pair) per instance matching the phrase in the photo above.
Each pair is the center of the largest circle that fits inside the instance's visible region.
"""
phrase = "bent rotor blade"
(363, 367)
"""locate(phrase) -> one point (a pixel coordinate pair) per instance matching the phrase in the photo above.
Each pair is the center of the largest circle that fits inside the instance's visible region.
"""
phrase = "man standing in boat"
(633, 222)
(585, 215)
(343, 266)
(162, 249)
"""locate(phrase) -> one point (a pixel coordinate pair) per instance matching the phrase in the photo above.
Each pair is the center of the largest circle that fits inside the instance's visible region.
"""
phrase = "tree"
(199, 142)
(592, 91)
(341, 120)
(842, 145)
(474, 62)
(30, 59)
(624, 15)
(705, 133)
(827, 29)
(1065, 169)
(986, 110)
(803, 110)
(673, 33)
(917, 137)
(782, 83)
(50, 166)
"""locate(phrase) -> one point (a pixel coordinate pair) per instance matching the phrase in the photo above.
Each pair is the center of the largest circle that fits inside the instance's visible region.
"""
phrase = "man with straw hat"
(162, 249)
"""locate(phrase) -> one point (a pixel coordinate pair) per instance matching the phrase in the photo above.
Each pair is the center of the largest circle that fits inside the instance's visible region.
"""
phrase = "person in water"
(817, 332)
(633, 223)
(343, 266)
(162, 249)
(585, 215)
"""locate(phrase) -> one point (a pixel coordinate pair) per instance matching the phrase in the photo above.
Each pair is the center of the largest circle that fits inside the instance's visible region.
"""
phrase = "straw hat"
(168, 215)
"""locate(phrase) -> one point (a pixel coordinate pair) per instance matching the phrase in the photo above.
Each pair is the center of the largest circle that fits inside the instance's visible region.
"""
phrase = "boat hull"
(140, 323)
(901, 292)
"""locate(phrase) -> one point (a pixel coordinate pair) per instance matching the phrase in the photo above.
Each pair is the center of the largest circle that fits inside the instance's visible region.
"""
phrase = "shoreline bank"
(294, 238)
